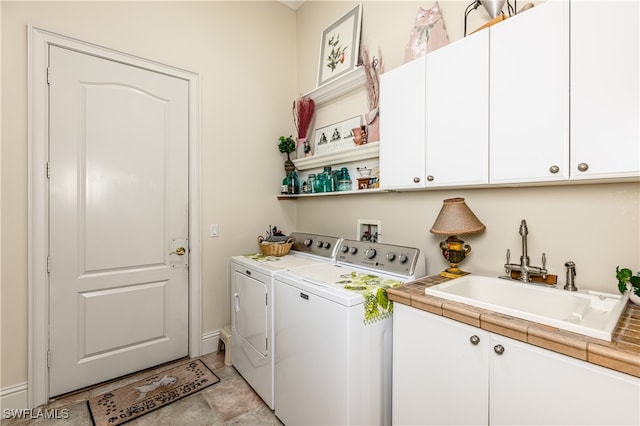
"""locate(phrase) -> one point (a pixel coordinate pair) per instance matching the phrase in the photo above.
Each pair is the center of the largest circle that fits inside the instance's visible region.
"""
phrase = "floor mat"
(136, 399)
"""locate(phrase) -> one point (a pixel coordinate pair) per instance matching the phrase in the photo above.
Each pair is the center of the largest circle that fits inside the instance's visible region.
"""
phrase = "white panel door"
(118, 219)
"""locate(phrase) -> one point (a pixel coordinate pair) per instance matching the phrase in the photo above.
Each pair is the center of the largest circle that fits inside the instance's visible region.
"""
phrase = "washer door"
(250, 311)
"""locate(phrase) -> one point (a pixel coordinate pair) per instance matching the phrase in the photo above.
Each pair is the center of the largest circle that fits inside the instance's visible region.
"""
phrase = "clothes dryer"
(252, 295)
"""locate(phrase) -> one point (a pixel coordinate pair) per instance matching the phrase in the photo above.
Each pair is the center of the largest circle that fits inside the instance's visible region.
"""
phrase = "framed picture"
(340, 46)
(336, 137)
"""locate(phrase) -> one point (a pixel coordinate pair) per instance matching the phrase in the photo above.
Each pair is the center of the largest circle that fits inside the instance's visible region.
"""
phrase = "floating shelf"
(347, 83)
(357, 153)
(329, 194)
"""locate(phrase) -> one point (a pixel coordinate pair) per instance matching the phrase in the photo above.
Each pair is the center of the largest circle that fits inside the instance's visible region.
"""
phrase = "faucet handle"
(508, 255)
(544, 261)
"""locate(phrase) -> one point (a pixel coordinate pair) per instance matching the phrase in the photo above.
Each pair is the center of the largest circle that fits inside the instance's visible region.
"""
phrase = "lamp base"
(455, 251)
(453, 273)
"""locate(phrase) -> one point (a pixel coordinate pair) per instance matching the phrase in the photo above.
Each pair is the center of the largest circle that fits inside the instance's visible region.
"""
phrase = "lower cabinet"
(446, 372)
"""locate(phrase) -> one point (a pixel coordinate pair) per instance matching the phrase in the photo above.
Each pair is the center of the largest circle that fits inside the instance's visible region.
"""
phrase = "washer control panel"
(318, 245)
(381, 257)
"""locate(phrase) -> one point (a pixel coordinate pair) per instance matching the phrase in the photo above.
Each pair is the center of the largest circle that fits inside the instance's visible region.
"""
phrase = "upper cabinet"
(457, 113)
(402, 130)
(605, 95)
(551, 94)
(430, 100)
(529, 96)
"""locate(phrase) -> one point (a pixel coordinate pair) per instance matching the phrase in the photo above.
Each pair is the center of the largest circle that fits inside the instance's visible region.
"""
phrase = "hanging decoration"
(303, 109)
(372, 70)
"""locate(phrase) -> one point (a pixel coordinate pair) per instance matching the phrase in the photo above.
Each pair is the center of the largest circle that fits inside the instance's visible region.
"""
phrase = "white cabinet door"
(402, 126)
(439, 376)
(530, 385)
(605, 94)
(457, 130)
(529, 92)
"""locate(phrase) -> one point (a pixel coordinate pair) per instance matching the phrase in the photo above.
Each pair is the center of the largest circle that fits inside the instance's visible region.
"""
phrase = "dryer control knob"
(403, 258)
(391, 256)
(319, 244)
(307, 242)
(354, 250)
(344, 249)
(326, 244)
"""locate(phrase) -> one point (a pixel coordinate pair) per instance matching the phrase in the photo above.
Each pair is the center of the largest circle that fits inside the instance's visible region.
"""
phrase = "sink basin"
(591, 313)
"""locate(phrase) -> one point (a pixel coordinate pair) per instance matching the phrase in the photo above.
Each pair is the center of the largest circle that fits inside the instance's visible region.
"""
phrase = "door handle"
(180, 251)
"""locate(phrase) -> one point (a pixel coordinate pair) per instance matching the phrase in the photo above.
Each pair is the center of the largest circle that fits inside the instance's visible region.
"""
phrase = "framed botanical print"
(340, 46)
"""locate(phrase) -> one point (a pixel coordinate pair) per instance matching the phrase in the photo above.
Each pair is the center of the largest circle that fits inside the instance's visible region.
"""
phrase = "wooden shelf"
(357, 153)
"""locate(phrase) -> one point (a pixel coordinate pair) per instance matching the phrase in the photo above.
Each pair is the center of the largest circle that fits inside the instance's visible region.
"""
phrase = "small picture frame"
(340, 46)
(336, 137)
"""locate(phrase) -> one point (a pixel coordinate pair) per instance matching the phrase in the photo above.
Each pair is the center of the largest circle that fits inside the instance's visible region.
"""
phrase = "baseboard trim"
(210, 342)
(17, 396)
(14, 397)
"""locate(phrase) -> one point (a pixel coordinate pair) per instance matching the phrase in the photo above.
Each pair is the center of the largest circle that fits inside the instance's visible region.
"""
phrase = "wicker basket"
(275, 249)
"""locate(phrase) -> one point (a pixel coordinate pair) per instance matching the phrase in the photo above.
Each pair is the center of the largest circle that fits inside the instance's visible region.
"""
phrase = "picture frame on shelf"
(340, 46)
(336, 137)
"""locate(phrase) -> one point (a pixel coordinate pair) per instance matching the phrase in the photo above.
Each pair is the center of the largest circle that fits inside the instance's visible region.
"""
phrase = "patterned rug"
(142, 397)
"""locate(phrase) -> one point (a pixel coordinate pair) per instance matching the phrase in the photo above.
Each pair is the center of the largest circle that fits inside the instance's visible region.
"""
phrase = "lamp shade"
(456, 218)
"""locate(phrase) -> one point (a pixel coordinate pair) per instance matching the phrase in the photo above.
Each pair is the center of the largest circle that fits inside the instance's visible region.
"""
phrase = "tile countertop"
(621, 354)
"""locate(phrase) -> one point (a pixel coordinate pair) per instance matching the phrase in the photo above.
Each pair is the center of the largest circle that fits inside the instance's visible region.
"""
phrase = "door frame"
(39, 41)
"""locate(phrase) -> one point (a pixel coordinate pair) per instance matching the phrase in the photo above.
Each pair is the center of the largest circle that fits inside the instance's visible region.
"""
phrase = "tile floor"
(229, 402)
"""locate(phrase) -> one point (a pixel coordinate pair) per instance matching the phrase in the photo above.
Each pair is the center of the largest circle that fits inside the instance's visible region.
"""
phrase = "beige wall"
(244, 53)
(597, 226)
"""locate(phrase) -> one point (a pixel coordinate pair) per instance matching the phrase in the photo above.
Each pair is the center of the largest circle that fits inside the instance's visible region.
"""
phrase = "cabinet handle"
(499, 349)
(416, 180)
(583, 167)
(474, 339)
(554, 169)
(430, 178)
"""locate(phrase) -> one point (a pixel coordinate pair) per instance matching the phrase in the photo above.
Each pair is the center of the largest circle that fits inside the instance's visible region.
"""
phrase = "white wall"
(245, 55)
(596, 226)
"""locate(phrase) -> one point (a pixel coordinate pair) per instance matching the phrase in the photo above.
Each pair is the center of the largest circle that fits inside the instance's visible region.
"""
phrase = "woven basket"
(274, 249)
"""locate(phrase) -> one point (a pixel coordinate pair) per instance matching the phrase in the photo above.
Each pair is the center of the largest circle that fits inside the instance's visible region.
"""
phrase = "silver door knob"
(554, 169)
(430, 178)
(499, 349)
(583, 167)
(474, 339)
(416, 180)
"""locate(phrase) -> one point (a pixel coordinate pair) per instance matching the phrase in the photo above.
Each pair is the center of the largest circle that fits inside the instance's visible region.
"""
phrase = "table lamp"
(455, 218)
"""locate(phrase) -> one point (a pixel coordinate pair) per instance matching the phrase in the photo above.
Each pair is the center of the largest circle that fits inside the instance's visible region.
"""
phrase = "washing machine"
(252, 300)
(333, 335)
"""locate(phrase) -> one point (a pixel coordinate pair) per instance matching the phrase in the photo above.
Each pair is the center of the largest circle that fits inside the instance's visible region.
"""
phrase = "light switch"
(214, 230)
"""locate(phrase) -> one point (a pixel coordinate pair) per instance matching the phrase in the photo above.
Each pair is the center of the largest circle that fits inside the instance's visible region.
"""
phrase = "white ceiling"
(292, 4)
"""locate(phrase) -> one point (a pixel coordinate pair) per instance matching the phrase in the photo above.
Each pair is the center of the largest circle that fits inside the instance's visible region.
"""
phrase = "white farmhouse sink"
(590, 313)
